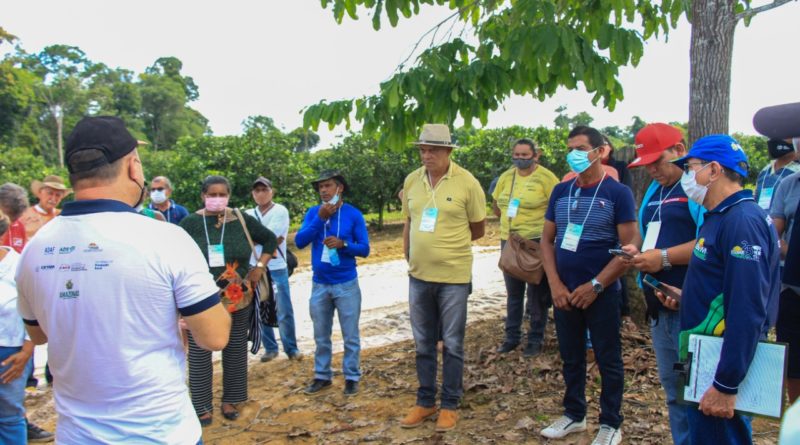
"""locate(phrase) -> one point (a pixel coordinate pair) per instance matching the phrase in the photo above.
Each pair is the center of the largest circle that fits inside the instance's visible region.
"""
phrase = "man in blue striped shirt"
(586, 217)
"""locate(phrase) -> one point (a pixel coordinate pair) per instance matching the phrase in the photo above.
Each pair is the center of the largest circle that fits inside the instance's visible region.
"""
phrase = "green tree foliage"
(563, 120)
(17, 99)
(258, 152)
(374, 175)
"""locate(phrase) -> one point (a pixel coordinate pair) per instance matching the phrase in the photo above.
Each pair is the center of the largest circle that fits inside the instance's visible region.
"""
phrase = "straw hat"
(435, 134)
(52, 181)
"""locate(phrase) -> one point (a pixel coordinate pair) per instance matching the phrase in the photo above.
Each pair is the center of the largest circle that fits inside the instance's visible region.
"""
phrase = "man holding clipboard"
(732, 283)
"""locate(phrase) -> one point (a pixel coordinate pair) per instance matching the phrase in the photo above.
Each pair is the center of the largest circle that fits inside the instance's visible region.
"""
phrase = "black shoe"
(350, 387)
(268, 356)
(507, 347)
(230, 415)
(38, 435)
(317, 386)
(532, 350)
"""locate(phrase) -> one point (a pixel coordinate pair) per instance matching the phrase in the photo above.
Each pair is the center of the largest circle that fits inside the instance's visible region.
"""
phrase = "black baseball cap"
(104, 133)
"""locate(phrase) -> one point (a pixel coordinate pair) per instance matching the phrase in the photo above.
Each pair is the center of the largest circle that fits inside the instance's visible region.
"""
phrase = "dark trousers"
(537, 304)
(705, 429)
(602, 319)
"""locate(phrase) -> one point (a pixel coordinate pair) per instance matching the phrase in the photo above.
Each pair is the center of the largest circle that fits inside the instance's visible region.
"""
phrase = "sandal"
(205, 421)
(230, 415)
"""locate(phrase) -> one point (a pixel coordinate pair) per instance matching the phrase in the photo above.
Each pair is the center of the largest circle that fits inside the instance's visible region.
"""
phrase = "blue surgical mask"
(578, 160)
(522, 164)
(333, 200)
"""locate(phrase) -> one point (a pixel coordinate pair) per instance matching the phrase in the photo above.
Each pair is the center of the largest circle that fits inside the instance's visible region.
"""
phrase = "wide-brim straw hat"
(435, 134)
(52, 181)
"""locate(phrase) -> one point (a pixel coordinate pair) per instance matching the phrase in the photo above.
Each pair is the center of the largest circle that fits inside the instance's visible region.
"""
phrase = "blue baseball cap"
(718, 147)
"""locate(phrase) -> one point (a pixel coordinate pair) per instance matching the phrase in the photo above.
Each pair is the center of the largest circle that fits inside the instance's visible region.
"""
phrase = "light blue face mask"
(578, 160)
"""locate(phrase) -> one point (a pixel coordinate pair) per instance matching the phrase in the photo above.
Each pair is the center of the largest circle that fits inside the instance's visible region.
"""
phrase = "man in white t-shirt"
(106, 286)
(275, 217)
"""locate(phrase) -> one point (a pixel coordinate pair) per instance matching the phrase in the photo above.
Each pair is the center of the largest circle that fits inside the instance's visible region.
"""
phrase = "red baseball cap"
(652, 140)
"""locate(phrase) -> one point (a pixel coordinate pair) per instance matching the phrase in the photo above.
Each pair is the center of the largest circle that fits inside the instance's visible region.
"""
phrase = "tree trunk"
(60, 137)
(713, 27)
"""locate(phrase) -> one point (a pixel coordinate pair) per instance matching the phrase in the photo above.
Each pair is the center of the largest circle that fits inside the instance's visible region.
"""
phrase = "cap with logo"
(104, 133)
(720, 148)
(652, 140)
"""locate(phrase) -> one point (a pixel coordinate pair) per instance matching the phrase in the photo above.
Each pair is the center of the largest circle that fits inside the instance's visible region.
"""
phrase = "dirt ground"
(507, 398)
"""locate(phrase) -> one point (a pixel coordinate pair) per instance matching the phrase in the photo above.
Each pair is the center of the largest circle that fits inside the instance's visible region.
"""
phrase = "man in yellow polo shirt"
(445, 210)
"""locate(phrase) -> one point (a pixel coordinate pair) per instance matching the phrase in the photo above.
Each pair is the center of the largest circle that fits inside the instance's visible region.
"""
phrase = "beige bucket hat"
(435, 134)
(52, 181)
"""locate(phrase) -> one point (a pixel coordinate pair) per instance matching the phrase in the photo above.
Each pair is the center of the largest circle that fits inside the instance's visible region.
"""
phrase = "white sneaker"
(563, 426)
(608, 436)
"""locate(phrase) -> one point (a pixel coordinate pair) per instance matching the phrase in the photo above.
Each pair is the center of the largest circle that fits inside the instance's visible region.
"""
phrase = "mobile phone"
(652, 282)
(620, 253)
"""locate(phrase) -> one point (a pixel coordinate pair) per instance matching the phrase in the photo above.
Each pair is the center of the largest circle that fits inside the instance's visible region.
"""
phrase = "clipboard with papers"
(762, 390)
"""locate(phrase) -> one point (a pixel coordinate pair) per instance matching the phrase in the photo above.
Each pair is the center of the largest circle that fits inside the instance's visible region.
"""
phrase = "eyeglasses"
(158, 189)
(689, 166)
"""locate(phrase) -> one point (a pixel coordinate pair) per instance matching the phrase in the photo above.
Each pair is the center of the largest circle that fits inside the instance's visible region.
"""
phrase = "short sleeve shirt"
(107, 285)
(599, 214)
(768, 181)
(12, 332)
(533, 194)
(276, 220)
(445, 254)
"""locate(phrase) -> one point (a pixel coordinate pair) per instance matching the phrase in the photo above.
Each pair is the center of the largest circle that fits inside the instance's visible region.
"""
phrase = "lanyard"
(205, 228)
(569, 198)
(433, 190)
(338, 224)
(661, 199)
(764, 180)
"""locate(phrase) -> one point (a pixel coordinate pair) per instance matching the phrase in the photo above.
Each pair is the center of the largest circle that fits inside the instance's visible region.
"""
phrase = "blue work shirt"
(174, 213)
(731, 289)
(680, 217)
(346, 224)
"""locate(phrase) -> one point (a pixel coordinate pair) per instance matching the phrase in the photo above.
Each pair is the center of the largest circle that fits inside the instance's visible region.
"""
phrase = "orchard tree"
(535, 47)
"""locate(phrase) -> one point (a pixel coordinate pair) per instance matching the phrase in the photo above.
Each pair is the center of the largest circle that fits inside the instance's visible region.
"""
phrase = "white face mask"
(693, 190)
(158, 196)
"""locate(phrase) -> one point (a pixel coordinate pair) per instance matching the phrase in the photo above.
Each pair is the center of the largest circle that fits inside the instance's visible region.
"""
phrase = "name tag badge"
(513, 208)
(651, 237)
(765, 199)
(216, 255)
(330, 256)
(572, 236)
(428, 221)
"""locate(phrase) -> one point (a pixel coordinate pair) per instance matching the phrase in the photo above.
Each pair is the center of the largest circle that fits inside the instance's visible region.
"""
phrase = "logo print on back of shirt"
(66, 250)
(746, 251)
(93, 247)
(49, 250)
(69, 293)
(700, 249)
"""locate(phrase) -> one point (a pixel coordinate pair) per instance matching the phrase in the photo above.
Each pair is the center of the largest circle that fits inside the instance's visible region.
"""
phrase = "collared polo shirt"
(174, 213)
(444, 255)
(732, 285)
(533, 192)
(107, 286)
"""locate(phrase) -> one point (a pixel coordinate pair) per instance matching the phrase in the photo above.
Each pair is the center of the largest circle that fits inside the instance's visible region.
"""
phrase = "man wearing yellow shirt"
(520, 200)
(445, 210)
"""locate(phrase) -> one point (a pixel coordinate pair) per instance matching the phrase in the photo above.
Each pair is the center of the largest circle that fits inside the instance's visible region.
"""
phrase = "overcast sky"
(275, 57)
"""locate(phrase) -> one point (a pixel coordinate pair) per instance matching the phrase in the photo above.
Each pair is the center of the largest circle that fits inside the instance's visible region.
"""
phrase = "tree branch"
(435, 29)
(754, 11)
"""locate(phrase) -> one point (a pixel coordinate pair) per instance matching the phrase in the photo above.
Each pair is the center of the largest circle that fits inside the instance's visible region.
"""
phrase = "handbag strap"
(510, 195)
(246, 232)
(255, 211)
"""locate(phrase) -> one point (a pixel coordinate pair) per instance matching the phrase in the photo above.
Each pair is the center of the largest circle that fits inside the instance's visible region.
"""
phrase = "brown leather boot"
(417, 415)
(447, 420)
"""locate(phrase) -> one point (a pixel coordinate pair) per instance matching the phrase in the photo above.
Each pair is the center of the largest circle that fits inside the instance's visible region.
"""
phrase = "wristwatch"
(344, 244)
(597, 286)
(260, 265)
(665, 264)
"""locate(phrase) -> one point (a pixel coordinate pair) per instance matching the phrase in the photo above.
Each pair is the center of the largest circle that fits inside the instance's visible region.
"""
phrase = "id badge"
(330, 256)
(428, 222)
(513, 208)
(216, 255)
(766, 198)
(651, 237)
(572, 236)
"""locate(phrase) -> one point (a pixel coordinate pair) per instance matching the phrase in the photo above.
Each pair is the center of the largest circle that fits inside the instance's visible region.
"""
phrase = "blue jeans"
(283, 300)
(602, 319)
(13, 428)
(537, 305)
(345, 298)
(705, 429)
(432, 305)
(665, 331)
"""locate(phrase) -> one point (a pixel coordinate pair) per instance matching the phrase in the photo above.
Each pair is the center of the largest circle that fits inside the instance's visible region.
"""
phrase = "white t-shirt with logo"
(277, 221)
(106, 285)
(12, 333)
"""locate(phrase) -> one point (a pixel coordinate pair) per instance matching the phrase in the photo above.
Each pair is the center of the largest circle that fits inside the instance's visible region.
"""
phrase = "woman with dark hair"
(218, 232)
(520, 201)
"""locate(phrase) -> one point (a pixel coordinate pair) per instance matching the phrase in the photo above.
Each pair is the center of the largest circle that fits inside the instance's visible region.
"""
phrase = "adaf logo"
(700, 250)
(746, 251)
(50, 250)
(69, 293)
